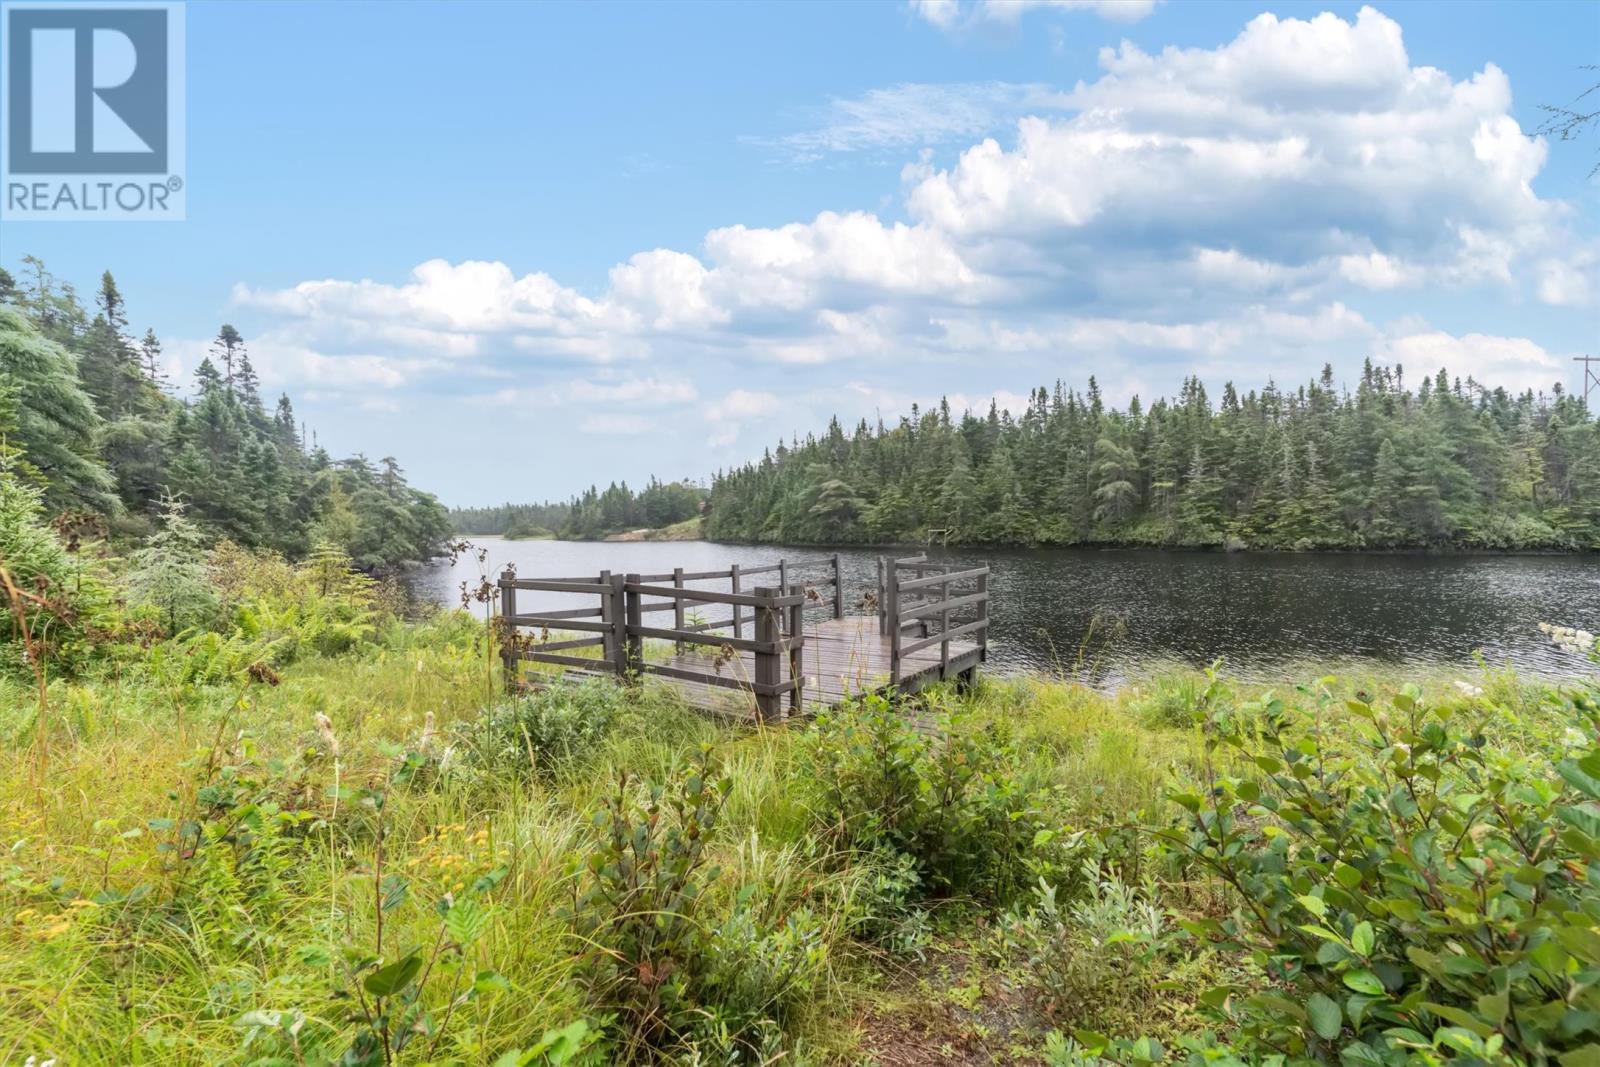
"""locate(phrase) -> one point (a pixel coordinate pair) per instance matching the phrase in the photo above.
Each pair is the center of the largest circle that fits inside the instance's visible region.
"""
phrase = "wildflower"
(1468, 689)
(330, 740)
(426, 741)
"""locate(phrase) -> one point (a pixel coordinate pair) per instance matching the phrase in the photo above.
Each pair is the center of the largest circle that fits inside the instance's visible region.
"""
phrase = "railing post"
(838, 588)
(768, 670)
(882, 629)
(944, 630)
(607, 637)
(892, 607)
(634, 612)
(677, 605)
(738, 612)
(797, 638)
(617, 645)
(983, 616)
(508, 626)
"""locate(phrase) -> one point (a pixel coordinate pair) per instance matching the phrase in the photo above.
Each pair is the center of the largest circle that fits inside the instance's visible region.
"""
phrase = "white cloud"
(913, 115)
(951, 15)
(1570, 281)
(1219, 210)
(1515, 363)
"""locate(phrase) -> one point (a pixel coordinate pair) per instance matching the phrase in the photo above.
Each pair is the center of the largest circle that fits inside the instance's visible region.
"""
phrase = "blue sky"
(527, 248)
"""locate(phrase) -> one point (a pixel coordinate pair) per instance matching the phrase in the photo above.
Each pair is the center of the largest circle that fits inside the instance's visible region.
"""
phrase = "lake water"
(1270, 616)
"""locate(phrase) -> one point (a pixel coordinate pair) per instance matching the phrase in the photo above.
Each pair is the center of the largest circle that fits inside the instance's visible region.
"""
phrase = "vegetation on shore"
(1445, 462)
(87, 415)
(253, 816)
(594, 515)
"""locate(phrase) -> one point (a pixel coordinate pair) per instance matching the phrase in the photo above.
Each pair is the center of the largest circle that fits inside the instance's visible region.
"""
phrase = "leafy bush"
(547, 729)
(954, 796)
(57, 597)
(1092, 962)
(1407, 889)
(639, 911)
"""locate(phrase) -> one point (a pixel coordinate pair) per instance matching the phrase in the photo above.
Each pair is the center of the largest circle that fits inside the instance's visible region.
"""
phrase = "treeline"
(88, 415)
(1447, 463)
(592, 515)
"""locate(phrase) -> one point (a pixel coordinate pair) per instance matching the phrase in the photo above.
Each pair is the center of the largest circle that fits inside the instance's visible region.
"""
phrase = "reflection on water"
(1127, 612)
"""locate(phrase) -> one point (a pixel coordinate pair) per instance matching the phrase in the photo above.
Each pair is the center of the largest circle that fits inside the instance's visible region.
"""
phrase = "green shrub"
(1408, 890)
(64, 603)
(639, 911)
(954, 795)
(545, 730)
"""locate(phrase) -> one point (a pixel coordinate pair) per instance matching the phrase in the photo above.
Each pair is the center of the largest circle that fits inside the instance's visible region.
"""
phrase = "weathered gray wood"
(677, 602)
(606, 617)
(944, 630)
(635, 619)
(576, 642)
(616, 612)
(797, 638)
(768, 671)
(838, 588)
(929, 642)
(548, 622)
(773, 691)
(908, 584)
(565, 661)
(892, 593)
(564, 613)
(689, 637)
(983, 617)
(738, 620)
(883, 616)
(508, 613)
(935, 607)
(576, 585)
(707, 596)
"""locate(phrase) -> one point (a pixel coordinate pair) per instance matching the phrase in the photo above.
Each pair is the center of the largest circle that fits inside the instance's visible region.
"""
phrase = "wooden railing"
(914, 593)
(774, 613)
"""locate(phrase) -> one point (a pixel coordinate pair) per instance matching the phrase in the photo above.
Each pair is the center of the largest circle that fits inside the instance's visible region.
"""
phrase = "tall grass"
(193, 877)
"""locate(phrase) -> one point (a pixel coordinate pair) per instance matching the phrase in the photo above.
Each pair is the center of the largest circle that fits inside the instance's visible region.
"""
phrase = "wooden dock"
(802, 653)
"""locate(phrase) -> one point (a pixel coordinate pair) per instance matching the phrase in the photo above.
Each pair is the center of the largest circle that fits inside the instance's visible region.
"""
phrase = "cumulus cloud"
(1225, 210)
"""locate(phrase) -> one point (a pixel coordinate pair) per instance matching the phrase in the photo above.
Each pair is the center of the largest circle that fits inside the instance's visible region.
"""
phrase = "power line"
(1591, 378)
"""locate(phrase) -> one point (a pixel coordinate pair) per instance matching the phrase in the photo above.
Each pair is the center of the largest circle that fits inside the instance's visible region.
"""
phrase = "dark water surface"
(1270, 615)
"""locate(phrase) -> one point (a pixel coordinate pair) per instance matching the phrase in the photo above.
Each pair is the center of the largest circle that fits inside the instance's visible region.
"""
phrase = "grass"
(123, 940)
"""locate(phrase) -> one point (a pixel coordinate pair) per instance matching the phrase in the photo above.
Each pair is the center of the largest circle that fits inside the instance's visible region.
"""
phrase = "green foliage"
(169, 576)
(949, 793)
(1409, 890)
(639, 910)
(589, 516)
(1383, 465)
(64, 602)
(88, 411)
(54, 420)
(545, 730)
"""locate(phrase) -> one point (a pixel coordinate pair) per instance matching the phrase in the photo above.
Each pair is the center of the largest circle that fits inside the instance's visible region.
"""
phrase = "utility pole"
(1591, 377)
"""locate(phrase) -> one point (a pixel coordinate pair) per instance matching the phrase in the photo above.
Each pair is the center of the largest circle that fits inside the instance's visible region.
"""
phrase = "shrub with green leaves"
(952, 794)
(1408, 890)
(547, 729)
(638, 913)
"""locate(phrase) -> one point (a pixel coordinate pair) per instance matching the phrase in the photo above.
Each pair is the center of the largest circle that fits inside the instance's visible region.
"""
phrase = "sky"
(529, 248)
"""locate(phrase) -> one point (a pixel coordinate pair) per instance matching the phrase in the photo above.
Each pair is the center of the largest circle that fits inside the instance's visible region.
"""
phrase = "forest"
(1447, 463)
(589, 516)
(89, 417)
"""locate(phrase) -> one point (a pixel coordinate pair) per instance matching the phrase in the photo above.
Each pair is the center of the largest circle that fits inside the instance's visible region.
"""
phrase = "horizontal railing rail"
(768, 664)
(929, 594)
